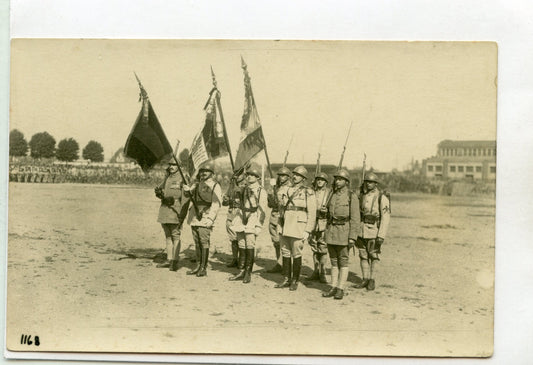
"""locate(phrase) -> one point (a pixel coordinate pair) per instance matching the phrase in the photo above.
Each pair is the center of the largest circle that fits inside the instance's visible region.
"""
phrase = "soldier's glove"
(168, 200)
(379, 242)
(158, 192)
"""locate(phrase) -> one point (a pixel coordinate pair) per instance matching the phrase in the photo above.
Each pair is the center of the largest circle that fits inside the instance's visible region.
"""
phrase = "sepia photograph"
(252, 197)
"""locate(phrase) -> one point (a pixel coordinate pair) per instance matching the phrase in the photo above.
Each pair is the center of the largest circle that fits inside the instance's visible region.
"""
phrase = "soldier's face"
(340, 182)
(205, 174)
(242, 183)
(172, 169)
(296, 179)
(320, 183)
(251, 178)
(283, 178)
(370, 185)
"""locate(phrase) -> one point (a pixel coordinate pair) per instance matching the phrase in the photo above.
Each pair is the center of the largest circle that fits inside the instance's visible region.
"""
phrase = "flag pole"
(219, 107)
(246, 75)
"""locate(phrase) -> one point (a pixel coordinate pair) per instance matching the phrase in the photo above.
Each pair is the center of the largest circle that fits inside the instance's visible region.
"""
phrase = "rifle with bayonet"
(344, 148)
(287, 152)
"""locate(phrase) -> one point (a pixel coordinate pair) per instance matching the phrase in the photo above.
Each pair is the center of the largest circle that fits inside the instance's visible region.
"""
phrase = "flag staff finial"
(142, 94)
(214, 78)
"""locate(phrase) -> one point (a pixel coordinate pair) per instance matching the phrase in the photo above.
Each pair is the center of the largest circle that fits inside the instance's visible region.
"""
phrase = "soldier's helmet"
(254, 170)
(284, 171)
(323, 176)
(300, 170)
(372, 177)
(207, 166)
(240, 178)
(343, 174)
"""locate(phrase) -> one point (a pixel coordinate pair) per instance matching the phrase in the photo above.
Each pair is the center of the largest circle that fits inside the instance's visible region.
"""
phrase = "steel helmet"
(207, 166)
(240, 178)
(343, 174)
(372, 177)
(300, 170)
(323, 176)
(254, 170)
(284, 171)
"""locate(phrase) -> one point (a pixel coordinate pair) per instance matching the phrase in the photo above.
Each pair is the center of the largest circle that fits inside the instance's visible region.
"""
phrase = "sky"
(402, 97)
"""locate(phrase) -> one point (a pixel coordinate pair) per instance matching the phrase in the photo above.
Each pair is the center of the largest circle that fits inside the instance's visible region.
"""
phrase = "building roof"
(447, 143)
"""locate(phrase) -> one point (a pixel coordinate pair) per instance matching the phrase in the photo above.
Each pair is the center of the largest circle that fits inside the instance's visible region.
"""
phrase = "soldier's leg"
(234, 245)
(322, 258)
(287, 264)
(250, 256)
(361, 245)
(168, 246)
(297, 247)
(343, 271)
(205, 237)
(313, 243)
(373, 258)
(334, 272)
(198, 251)
(274, 235)
(241, 241)
(176, 246)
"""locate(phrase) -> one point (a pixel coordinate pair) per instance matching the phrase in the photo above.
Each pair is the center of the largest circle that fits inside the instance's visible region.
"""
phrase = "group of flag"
(148, 145)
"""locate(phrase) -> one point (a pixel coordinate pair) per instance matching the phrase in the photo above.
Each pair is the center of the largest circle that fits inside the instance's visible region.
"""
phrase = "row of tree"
(43, 145)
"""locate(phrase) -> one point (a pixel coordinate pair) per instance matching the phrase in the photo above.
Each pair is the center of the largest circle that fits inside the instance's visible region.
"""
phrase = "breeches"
(246, 240)
(231, 233)
(274, 235)
(317, 243)
(291, 246)
(201, 236)
(367, 248)
(171, 230)
(338, 255)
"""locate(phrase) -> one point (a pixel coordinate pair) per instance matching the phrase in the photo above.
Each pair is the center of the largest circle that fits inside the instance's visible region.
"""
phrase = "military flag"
(210, 142)
(147, 143)
(252, 138)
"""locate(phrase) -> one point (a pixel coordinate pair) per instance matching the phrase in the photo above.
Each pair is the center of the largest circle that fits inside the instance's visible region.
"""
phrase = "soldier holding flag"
(232, 200)
(206, 196)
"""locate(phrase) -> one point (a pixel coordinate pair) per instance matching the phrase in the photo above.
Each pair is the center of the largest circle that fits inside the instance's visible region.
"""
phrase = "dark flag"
(252, 139)
(147, 143)
(209, 143)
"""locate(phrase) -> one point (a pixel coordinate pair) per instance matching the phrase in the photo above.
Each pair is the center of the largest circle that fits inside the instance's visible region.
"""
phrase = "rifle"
(317, 169)
(344, 148)
(363, 174)
(287, 152)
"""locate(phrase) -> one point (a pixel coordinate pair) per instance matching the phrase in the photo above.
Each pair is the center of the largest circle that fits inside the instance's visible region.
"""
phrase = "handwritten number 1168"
(26, 340)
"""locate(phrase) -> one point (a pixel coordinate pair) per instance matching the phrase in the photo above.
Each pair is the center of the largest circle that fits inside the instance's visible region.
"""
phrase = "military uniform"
(208, 198)
(232, 200)
(297, 220)
(171, 215)
(248, 224)
(342, 228)
(316, 238)
(274, 199)
(375, 215)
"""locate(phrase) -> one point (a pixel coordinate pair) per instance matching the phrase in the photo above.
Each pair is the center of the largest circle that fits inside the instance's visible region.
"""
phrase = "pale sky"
(402, 97)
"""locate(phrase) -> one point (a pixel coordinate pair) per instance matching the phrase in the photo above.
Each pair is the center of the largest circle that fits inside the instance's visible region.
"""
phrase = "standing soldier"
(172, 213)
(341, 231)
(375, 214)
(282, 184)
(297, 220)
(206, 196)
(231, 200)
(249, 221)
(316, 239)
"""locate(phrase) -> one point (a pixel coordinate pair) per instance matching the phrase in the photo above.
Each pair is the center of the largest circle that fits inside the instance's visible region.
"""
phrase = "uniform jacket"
(232, 200)
(251, 215)
(172, 186)
(298, 206)
(208, 197)
(274, 198)
(344, 221)
(370, 206)
(322, 196)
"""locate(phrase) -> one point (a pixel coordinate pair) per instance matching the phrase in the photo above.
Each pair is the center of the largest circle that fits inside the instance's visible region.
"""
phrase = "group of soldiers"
(331, 220)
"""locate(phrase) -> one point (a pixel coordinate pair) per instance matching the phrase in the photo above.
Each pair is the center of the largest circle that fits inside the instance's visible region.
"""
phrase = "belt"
(275, 210)
(370, 219)
(338, 221)
(252, 210)
(299, 209)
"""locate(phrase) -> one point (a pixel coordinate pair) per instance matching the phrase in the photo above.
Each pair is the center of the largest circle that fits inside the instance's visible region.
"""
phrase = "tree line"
(43, 145)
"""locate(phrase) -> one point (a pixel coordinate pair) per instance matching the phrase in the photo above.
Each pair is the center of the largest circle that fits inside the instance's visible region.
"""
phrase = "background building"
(474, 160)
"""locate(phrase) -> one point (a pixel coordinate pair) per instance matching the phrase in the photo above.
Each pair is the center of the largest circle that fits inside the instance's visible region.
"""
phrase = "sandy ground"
(70, 283)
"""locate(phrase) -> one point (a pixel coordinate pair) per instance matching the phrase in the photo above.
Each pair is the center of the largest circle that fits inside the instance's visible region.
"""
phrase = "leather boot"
(235, 253)
(198, 262)
(287, 273)
(276, 268)
(242, 261)
(203, 268)
(296, 268)
(250, 256)
(323, 279)
(173, 265)
(316, 274)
